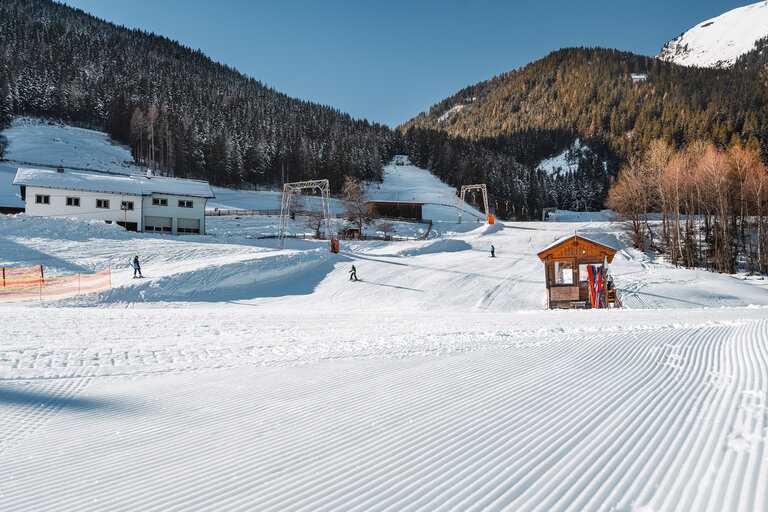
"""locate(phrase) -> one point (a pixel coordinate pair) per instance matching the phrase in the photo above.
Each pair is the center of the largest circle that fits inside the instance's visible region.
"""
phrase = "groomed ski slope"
(239, 377)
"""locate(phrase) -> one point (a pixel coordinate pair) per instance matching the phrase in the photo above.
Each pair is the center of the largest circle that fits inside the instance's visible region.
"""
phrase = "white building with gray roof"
(140, 203)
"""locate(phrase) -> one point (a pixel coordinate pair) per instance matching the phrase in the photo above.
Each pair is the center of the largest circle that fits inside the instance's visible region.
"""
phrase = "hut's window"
(583, 272)
(563, 272)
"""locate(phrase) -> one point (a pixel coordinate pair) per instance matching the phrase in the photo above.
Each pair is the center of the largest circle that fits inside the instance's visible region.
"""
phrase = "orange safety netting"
(29, 283)
(20, 277)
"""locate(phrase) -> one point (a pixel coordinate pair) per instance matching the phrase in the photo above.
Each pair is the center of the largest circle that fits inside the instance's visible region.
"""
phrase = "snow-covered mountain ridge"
(720, 41)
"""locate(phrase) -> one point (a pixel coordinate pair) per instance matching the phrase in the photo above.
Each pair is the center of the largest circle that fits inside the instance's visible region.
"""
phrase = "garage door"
(163, 224)
(188, 225)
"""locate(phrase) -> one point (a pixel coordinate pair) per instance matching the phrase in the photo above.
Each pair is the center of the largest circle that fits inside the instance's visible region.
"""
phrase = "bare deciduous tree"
(386, 226)
(714, 172)
(723, 197)
(315, 222)
(354, 197)
(631, 196)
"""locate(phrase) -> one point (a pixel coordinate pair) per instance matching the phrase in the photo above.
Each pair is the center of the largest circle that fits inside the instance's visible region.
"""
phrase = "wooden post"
(546, 278)
(3, 277)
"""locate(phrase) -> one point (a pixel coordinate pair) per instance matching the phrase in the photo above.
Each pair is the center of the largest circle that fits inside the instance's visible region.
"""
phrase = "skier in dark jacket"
(493, 251)
(136, 267)
(353, 274)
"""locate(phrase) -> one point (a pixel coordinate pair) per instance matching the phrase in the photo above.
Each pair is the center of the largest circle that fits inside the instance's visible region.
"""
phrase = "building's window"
(102, 203)
(185, 204)
(583, 272)
(42, 199)
(563, 272)
(126, 205)
(157, 201)
(73, 201)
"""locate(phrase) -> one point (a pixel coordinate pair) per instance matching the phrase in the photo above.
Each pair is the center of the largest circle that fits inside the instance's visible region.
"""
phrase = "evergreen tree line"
(179, 112)
(700, 205)
(757, 58)
(517, 190)
(590, 94)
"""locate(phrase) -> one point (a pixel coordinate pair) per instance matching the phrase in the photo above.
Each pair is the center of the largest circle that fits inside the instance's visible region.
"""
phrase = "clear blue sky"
(388, 60)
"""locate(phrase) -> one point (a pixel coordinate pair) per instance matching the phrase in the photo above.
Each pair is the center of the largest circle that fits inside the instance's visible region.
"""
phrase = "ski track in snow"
(669, 418)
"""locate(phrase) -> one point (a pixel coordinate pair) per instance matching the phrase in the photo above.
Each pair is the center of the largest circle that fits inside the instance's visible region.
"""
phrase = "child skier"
(353, 274)
(493, 251)
(136, 267)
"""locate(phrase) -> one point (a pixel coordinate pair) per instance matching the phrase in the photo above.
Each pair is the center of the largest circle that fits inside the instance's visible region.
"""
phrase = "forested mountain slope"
(174, 106)
(614, 102)
(590, 93)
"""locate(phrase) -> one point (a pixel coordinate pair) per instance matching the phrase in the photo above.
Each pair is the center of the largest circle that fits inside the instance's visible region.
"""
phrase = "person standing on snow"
(136, 267)
(353, 274)
(493, 251)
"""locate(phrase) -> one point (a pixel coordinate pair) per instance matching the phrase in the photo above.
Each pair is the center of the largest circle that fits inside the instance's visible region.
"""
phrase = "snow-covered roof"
(117, 184)
(575, 239)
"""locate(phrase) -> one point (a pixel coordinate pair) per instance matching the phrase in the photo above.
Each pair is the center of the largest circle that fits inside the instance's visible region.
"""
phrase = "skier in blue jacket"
(136, 267)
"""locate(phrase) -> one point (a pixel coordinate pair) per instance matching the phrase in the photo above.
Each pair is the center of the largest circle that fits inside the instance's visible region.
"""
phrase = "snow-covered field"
(236, 376)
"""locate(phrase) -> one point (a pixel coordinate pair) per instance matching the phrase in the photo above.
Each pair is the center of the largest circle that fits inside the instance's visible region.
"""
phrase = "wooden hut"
(567, 275)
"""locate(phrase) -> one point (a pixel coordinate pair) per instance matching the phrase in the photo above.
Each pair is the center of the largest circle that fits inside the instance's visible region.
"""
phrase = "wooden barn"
(394, 209)
(568, 275)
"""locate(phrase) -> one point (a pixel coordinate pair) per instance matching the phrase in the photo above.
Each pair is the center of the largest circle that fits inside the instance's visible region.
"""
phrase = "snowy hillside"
(37, 143)
(718, 42)
(237, 376)
(567, 161)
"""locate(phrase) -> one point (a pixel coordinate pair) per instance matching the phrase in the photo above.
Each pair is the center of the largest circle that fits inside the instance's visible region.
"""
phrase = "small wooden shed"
(566, 271)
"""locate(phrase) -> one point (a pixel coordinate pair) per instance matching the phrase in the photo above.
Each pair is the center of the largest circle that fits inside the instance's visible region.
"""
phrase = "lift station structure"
(472, 188)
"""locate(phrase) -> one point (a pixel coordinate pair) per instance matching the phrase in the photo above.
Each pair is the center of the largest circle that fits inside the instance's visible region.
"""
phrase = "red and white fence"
(30, 283)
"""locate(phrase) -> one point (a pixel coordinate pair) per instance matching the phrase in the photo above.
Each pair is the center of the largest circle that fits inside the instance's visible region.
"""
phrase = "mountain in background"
(735, 38)
(614, 102)
(179, 111)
